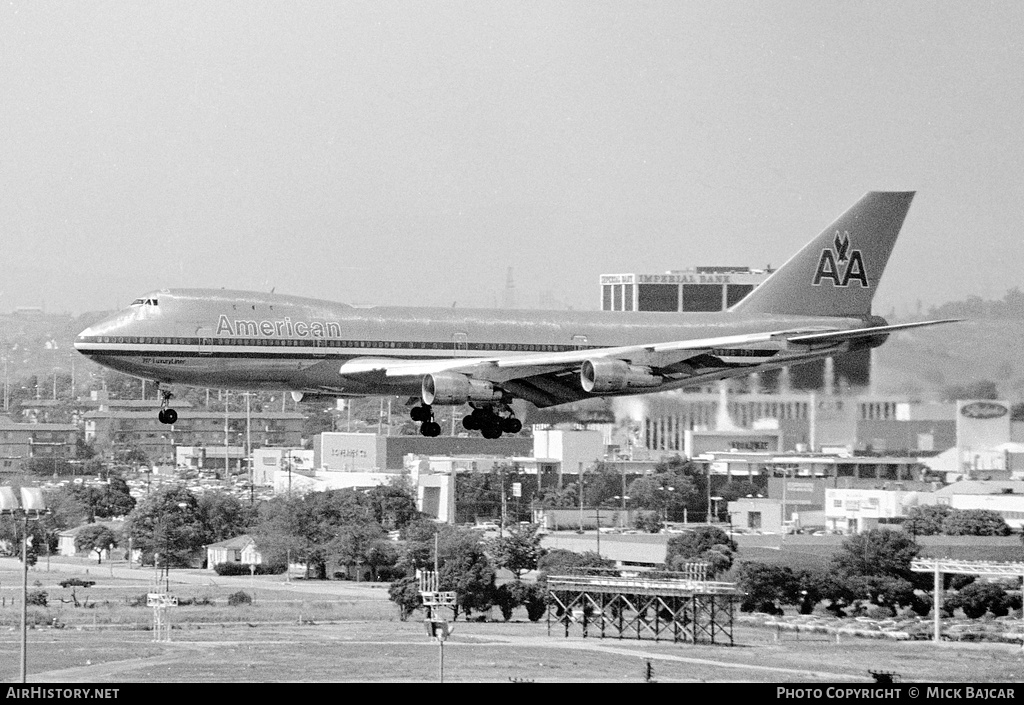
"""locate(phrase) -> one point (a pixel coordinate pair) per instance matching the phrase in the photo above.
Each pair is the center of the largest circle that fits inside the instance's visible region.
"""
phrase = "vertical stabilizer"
(837, 273)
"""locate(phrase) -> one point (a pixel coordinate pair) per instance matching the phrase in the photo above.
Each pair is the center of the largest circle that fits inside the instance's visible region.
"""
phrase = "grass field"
(390, 651)
(351, 632)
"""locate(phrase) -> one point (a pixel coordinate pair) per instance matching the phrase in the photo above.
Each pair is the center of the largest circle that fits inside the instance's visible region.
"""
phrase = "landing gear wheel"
(430, 429)
(511, 425)
(491, 430)
(470, 422)
(420, 413)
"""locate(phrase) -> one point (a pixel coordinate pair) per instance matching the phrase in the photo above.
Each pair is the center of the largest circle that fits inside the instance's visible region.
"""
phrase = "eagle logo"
(840, 264)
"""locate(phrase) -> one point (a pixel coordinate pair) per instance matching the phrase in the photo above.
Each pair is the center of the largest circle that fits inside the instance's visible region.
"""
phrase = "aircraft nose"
(84, 337)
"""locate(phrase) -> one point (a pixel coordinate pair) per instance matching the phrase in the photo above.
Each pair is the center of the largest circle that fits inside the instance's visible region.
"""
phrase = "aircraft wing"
(548, 379)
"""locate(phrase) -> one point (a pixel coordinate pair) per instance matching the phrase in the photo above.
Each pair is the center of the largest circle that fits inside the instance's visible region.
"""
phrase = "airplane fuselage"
(255, 341)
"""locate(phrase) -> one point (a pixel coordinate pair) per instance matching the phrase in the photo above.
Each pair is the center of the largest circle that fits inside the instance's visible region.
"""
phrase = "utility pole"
(227, 462)
(248, 446)
(501, 526)
(579, 484)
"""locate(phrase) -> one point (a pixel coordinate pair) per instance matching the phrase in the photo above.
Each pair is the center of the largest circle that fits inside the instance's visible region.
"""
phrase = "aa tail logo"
(842, 265)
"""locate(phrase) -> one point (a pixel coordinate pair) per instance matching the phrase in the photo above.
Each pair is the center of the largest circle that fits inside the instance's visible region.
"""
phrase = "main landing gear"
(490, 424)
(425, 414)
(484, 419)
(166, 415)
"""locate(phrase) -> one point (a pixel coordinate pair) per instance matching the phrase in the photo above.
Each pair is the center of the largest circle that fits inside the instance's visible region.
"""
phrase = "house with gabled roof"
(240, 549)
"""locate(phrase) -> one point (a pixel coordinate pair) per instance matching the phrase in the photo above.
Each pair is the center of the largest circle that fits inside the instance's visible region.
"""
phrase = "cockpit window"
(145, 302)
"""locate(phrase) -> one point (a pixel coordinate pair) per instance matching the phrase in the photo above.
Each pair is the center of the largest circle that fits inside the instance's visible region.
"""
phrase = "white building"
(575, 451)
(853, 511)
(267, 462)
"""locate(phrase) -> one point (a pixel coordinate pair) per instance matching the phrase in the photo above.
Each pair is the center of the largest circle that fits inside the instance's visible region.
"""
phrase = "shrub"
(405, 592)
(195, 601)
(36, 598)
(978, 598)
(239, 598)
(243, 569)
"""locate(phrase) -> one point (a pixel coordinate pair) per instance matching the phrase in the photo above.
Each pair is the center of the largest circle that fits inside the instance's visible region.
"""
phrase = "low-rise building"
(240, 550)
(857, 510)
(22, 442)
(110, 429)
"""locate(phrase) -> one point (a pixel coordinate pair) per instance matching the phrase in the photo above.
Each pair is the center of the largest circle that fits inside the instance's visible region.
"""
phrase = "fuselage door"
(460, 344)
(319, 346)
(205, 341)
(579, 342)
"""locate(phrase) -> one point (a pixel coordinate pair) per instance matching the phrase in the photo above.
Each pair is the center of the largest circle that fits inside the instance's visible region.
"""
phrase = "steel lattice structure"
(938, 566)
(680, 609)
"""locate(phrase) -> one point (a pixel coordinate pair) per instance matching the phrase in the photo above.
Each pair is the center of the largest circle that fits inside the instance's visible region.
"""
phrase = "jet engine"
(615, 375)
(455, 388)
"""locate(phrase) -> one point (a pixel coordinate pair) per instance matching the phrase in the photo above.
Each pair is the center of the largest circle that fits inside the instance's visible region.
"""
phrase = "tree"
(518, 551)
(707, 544)
(382, 557)
(975, 522)
(305, 526)
(648, 521)
(875, 566)
(766, 587)
(96, 538)
(223, 516)
(114, 500)
(516, 594)
(355, 542)
(405, 592)
(978, 598)
(462, 563)
(478, 495)
(735, 489)
(465, 569)
(131, 455)
(562, 562)
(927, 519)
(83, 450)
(602, 483)
(394, 506)
(558, 498)
(12, 532)
(168, 523)
(666, 492)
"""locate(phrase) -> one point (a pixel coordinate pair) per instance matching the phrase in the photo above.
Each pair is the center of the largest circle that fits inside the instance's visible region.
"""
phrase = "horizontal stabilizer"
(829, 337)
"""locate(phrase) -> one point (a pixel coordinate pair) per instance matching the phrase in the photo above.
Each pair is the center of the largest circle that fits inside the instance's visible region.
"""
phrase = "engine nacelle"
(615, 375)
(455, 388)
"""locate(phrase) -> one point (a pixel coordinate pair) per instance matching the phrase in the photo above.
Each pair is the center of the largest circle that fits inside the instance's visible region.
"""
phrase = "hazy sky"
(411, 152)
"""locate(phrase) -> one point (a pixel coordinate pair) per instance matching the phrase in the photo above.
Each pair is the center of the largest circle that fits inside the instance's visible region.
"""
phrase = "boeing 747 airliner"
(816, 305)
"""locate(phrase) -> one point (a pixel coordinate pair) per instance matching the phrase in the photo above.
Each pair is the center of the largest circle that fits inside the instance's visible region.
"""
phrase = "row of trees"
(932, 519)
(871, 575)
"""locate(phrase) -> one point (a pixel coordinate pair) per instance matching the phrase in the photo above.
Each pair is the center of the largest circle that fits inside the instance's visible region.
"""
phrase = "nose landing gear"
(166, 415)
(425, 414)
